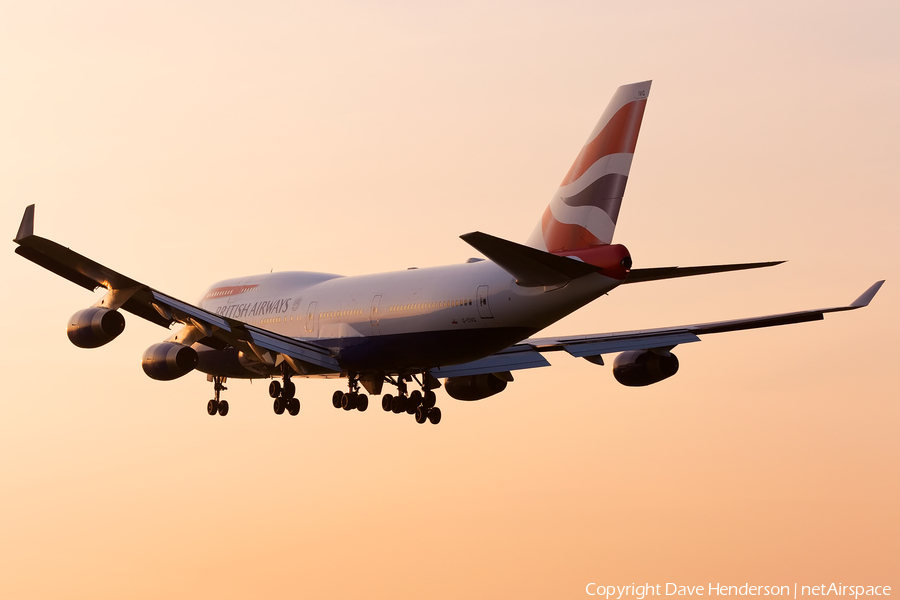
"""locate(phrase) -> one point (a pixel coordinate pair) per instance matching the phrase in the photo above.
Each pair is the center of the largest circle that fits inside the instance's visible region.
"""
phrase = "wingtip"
(26, 227)
(867, 296)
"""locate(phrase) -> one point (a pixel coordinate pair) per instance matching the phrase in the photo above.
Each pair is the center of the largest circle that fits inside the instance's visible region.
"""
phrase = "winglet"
(867, 295)
(26, 227)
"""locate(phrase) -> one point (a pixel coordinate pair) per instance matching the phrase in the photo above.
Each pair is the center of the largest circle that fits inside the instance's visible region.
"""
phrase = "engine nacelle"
(167, 361)
(477, 387)
(637, 368)
(95, 326)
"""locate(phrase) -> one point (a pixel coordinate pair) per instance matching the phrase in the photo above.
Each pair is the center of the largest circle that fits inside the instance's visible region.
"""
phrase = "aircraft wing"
(164, 310)
(527, 353)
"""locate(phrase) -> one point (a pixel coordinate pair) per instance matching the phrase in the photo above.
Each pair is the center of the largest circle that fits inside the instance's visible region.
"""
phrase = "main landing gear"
(284, 396)
(418, 403)
(216, 405)
(421, 404)
(352, 399)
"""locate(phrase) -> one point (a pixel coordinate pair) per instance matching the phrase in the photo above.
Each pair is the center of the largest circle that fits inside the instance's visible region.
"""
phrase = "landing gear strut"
(421, 404)
(284, 396)
(216, 405)
(352, 398)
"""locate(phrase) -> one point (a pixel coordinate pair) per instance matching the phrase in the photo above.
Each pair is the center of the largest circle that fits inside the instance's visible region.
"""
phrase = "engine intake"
(95, 326)
(167, 361)
(643, 367)
(477, 387)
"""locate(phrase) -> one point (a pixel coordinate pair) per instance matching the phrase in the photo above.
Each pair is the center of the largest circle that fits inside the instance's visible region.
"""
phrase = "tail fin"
(584, 210)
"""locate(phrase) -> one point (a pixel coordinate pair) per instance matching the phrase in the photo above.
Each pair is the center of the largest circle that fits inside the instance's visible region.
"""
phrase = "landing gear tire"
(293, 407)
(274, 389)
(386, 402)
(212, 407)
(348, 401)
(415, 400)
(362, 403)
(421, 414)
(223, 408)
(278, 406)
(287, 392)
(429, 400)
(398, 405)
(336, 398)
(434, 415)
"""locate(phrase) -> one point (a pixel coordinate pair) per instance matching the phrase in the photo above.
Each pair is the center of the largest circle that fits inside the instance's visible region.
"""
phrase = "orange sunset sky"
(183, 143)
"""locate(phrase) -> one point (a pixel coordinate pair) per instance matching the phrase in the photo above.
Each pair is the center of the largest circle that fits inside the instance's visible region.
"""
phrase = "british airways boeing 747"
(469, 324)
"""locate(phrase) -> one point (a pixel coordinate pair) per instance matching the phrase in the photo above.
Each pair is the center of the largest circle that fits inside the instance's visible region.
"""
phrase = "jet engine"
(477, 387)
(642, 367)
(167, 360)
(95, 326)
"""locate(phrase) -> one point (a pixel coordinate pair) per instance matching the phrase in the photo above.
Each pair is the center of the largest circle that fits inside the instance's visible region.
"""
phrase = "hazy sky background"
(182, 143)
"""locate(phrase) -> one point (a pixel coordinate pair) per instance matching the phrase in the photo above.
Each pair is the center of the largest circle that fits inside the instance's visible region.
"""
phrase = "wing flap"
(511, 359)
(296, 349)
(624, 343)
(189, 310)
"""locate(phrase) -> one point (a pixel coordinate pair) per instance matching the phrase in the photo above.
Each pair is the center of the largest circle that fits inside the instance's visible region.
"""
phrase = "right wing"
(527, 353)
(162, 309)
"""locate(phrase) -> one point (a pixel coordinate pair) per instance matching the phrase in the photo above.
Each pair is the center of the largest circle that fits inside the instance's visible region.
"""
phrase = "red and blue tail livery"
(584, 210)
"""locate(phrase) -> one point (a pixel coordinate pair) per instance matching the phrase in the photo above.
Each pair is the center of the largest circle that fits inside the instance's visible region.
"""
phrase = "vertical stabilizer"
(585, 208)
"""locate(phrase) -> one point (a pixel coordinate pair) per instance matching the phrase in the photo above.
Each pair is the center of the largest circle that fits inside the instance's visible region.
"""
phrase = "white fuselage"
(402, 321)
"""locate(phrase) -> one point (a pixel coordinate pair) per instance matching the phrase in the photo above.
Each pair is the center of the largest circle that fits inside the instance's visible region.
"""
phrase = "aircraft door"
(373, 316)
(312, 319)
(484, 307)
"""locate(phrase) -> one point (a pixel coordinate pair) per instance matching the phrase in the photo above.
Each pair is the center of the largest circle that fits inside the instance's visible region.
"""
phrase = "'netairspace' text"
(639, 592)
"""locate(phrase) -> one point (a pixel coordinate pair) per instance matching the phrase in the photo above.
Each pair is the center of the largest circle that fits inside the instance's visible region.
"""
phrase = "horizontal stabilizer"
(530, 267)
(657, 273)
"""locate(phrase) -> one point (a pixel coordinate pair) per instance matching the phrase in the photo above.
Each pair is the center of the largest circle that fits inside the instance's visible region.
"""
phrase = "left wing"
(527, 353)
(162, 309)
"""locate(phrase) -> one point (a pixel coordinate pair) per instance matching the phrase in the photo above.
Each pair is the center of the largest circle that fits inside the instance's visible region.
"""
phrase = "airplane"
(470, 324)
